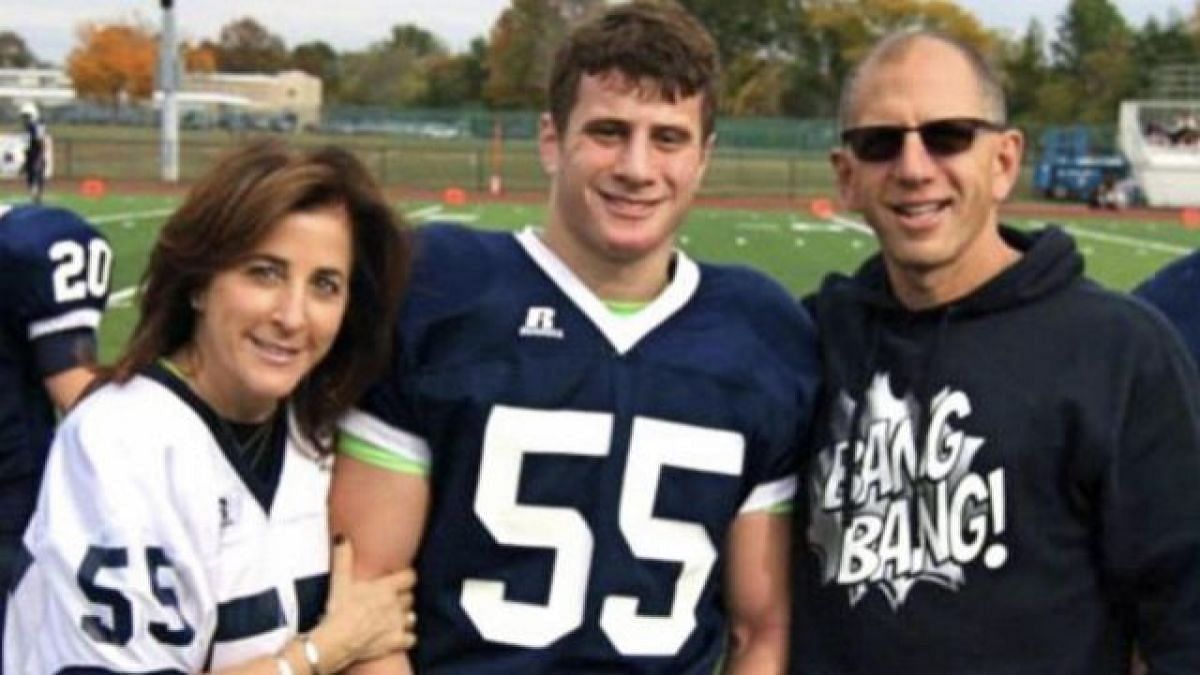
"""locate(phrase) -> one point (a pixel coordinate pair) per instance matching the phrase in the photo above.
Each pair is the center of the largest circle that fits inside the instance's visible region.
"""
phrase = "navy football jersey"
(585, 467)
(54, 282)
(1175, 290)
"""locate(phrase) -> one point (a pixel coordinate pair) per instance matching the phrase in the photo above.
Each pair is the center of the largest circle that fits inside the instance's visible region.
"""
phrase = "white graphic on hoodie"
(913, 516)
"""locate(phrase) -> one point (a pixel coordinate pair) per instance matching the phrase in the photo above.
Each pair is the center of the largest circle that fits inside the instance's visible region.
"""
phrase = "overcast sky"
(48, 25)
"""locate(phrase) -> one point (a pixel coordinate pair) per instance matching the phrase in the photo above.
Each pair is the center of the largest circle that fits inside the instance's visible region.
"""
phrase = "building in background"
(285, 101)
(46, 87)
(290, 95)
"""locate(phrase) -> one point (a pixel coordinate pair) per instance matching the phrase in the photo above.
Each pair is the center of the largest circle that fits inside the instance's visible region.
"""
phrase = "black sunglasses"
(942, 138)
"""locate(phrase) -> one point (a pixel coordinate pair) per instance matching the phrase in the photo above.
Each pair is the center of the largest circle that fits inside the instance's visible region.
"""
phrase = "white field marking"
(435, 211)
(132, 215)
(835, 223)
(807, 226)
(1126, 240)
(852, 224)
(1159, 246)
(422, 214)
(757, 227)
(459, 217)
(1075, 230)
(121, 298)
(124, 297)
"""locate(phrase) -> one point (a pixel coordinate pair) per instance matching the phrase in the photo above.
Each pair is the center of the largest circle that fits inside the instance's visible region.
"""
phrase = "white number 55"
(511, 434)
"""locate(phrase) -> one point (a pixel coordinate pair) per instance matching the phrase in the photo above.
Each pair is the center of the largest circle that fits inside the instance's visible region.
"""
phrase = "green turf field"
(796, 248)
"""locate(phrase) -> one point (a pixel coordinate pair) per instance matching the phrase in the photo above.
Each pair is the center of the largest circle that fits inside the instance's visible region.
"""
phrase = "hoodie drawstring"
(922, 391)
(850, 460)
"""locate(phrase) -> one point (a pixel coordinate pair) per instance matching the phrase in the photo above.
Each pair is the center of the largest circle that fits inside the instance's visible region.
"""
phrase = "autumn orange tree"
(113, 62)
(200, 58)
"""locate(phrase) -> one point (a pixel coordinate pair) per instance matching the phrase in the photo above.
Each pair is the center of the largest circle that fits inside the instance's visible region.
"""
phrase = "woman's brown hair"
(224, 217)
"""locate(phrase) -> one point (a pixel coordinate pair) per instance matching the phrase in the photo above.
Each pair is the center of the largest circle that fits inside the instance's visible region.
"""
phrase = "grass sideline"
(796, 248)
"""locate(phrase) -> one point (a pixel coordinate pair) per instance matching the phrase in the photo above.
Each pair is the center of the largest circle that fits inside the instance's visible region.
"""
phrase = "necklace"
(253, 440)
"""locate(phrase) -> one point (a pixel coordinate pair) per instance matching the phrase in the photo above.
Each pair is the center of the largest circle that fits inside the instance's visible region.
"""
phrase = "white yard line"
(835, 224)
(458, 217)
(122, 298)
(853, 225)
(435, 211)
(421, 214)
(132, 215)
(757, 227)
(1160, 246)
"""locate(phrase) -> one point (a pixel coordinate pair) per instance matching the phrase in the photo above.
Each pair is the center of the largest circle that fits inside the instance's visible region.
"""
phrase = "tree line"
(782, 57)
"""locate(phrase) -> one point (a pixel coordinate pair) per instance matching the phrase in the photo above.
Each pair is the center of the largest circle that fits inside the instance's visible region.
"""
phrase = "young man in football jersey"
(53, 288)
(587, 440)
(1175, 291)
(1004, 467)
(182, 523)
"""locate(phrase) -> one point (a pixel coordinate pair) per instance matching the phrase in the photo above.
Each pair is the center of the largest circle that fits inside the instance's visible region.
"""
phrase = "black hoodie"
(1045, 512)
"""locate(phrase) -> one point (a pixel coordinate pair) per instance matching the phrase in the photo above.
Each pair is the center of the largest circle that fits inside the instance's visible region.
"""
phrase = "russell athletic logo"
(229, 507)
(539, 322)
(915, 514)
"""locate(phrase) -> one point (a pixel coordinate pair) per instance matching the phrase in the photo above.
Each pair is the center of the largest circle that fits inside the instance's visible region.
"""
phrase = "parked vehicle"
(1071, 168)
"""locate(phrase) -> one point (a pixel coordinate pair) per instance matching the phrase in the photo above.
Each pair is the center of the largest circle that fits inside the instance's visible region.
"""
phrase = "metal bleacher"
(1164, 162)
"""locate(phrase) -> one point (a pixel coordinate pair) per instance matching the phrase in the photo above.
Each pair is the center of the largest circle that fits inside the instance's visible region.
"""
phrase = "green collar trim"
(625, 308)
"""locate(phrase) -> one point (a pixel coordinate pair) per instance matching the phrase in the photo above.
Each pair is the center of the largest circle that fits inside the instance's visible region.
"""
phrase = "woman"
(182, 523)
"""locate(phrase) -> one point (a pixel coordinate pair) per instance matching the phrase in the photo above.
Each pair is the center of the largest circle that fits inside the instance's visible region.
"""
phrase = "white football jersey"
(155, 548)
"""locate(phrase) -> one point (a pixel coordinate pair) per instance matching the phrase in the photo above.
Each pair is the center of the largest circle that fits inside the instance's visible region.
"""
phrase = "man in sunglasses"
(1003, 476)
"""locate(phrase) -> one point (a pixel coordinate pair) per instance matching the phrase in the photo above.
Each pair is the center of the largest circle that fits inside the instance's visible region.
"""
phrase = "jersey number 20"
(513, 432)
(79, 272)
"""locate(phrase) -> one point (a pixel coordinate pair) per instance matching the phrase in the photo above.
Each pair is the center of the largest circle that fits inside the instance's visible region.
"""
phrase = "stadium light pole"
(169, 82)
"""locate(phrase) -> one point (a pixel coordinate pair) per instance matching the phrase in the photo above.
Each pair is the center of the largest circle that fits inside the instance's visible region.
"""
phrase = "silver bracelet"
(311, 654)
(282, 667)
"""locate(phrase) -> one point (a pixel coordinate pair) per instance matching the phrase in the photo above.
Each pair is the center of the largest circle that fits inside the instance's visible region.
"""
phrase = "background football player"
(53, 288)
(33, 166)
